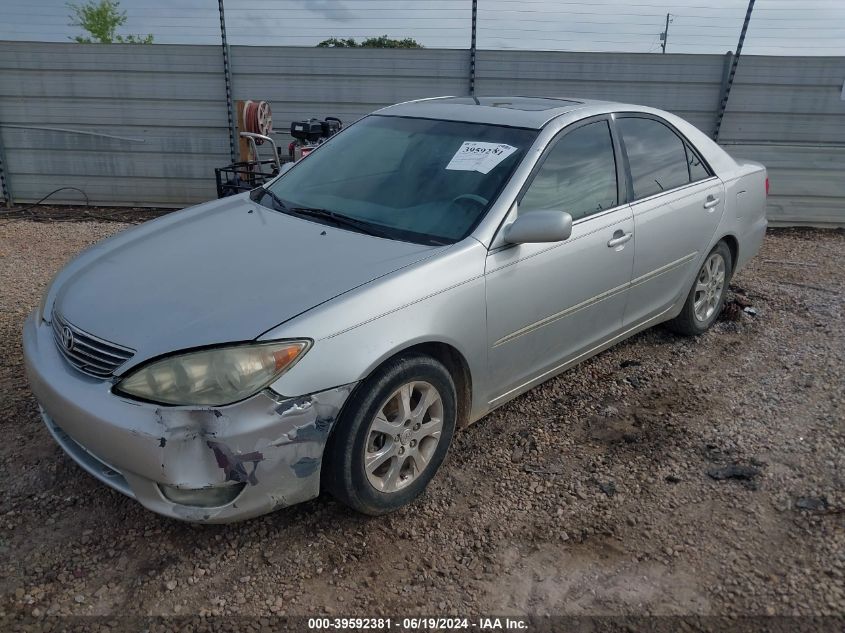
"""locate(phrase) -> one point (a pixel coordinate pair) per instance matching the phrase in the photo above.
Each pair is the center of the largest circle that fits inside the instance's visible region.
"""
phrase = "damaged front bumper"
(265, 451)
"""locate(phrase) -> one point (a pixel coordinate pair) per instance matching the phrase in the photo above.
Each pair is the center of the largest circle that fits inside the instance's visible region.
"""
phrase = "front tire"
(392, 435)
(707, 295)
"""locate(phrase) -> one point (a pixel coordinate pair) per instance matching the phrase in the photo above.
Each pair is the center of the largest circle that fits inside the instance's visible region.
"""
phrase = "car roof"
(515, 111)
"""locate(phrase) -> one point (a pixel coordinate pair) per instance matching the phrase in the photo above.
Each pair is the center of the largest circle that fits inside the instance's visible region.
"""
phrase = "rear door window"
(657, 156)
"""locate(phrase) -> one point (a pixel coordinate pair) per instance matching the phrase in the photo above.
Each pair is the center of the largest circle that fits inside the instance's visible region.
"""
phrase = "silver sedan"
(332, 329)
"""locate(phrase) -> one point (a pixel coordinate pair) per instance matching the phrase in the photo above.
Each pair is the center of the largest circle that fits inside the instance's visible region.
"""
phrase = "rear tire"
(392, 435)
(706, 298)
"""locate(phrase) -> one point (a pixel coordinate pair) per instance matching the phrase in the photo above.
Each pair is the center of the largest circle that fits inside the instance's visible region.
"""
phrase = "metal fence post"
(227, 76)
(4, 186)
(726, 91)
(472, 48)
(727, 64)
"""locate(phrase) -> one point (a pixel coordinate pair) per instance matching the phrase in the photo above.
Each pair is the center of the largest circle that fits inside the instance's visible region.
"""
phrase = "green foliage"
(386, 42)
(101, 18)
(371, 42)
(334, 42)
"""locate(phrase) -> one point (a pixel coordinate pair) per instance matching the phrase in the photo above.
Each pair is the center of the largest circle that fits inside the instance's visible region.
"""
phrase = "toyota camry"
(331, 329)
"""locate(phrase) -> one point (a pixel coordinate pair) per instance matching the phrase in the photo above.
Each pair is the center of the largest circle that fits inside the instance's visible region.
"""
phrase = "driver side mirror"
(538, 227)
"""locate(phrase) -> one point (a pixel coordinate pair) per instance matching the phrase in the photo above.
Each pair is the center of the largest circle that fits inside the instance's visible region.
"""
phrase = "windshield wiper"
(278, 203)
(333, 217)
(338, 219)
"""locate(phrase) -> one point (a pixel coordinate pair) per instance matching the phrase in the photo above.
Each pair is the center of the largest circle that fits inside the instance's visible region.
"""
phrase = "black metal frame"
(244, 176)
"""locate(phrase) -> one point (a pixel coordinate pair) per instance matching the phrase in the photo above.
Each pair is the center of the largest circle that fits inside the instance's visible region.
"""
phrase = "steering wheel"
(471, 196)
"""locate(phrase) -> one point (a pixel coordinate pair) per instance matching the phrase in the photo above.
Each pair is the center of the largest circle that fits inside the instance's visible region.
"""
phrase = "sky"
(778, 27)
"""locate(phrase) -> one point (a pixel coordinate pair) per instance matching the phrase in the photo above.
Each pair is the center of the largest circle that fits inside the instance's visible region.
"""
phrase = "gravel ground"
(588, 495)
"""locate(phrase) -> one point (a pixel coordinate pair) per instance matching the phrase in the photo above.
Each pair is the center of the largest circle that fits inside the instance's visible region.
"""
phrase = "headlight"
(213, 377)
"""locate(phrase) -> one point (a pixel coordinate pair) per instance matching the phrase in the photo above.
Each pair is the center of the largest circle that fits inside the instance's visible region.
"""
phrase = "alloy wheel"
(403, 436)
(708, 287)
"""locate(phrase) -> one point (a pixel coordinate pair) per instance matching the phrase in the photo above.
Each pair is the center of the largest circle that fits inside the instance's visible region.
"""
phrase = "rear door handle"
(619, 238)
(711, 202)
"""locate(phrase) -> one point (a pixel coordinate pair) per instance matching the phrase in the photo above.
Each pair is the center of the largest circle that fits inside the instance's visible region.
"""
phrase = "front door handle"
(711, 202)
(619, 238)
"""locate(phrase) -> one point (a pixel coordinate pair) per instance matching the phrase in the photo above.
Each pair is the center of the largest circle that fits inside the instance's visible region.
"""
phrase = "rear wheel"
(392, 436)
(707, 295)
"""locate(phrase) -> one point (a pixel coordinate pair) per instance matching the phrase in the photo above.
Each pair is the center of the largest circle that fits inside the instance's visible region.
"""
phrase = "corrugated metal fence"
(146, 125)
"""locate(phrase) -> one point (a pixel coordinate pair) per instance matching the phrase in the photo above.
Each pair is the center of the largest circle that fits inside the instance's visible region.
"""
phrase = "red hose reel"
(257, 118)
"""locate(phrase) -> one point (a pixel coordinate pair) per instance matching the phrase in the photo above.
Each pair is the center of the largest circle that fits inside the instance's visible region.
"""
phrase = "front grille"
(86, 352)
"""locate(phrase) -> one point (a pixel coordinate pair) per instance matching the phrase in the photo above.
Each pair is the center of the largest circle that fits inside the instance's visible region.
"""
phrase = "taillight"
(767, 185)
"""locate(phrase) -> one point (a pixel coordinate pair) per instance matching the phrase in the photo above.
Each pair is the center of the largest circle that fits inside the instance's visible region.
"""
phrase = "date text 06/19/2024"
(418, 623)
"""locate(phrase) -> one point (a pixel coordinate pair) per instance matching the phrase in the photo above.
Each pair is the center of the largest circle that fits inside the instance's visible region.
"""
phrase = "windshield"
(417, 180)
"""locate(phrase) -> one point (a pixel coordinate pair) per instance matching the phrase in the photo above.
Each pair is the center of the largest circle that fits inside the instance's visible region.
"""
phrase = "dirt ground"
(592, 494)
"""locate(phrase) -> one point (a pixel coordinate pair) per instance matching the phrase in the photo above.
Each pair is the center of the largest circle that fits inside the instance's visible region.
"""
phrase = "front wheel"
(707, 295)
(392, 436)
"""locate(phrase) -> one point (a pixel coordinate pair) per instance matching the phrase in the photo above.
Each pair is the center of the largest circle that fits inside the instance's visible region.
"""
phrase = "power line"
(557, 25)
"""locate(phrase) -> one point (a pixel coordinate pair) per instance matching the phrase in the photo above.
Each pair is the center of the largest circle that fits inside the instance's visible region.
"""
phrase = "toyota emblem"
(67, 338)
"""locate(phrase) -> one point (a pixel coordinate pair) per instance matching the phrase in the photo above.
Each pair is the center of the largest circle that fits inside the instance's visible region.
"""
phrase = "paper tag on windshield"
(479, 156)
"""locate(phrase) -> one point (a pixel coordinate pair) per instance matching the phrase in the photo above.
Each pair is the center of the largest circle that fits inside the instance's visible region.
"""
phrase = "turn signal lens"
(286, 356)
(213, 377)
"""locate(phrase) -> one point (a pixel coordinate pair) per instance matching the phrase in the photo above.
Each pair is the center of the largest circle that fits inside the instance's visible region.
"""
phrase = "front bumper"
(271, 445)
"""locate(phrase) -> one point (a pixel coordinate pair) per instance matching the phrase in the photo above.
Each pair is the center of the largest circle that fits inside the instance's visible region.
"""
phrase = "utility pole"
(726, 92)
(665, 35)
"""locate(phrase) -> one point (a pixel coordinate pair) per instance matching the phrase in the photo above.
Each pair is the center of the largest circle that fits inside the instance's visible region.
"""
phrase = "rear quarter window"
(697, 170)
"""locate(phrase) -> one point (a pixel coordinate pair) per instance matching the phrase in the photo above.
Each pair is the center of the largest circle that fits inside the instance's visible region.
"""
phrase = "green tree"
(334, 42)
(371, 42)
(101, 18)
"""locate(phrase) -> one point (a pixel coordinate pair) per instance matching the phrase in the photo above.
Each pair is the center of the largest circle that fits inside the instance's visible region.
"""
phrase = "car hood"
(222, 272)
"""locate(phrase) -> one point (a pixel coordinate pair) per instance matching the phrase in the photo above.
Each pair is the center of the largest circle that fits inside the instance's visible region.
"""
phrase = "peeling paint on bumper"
(272, 444)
